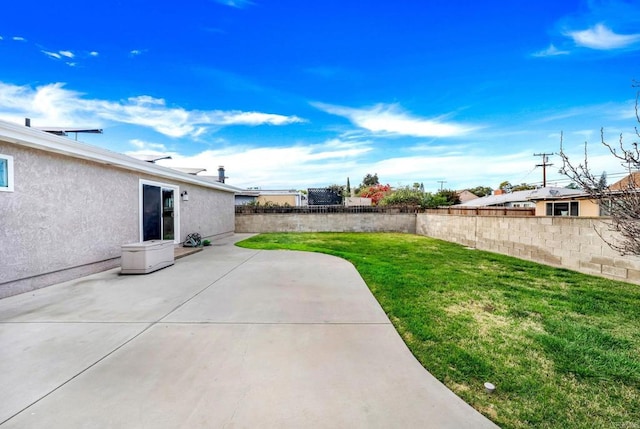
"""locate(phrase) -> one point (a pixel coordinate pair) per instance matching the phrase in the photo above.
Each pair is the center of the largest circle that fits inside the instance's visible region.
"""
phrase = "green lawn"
(562, 348)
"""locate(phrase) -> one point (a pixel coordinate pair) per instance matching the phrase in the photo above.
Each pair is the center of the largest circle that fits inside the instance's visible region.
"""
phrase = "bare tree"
(620, 201)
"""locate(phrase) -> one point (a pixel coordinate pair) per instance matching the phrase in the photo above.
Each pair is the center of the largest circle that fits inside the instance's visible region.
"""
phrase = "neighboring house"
(247, 196)
(520, 198)
(66, 208)
(580, 203)
(291, 198)
(466, 196)
(271, 197)
(632, 181)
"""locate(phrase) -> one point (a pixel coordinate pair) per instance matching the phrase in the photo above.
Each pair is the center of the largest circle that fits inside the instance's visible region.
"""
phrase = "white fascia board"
(26, 136)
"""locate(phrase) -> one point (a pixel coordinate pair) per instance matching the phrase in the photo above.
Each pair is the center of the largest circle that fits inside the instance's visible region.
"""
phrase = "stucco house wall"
(69, 216)
(586, 207)
(209, 213)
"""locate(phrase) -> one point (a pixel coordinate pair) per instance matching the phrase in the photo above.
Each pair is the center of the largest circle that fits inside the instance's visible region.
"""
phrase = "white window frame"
(9, 160)
(176, 207)
(568, 202)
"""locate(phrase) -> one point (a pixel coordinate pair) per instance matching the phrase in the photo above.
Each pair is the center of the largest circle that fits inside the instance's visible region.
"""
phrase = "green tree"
(481, 191)
(505, 186)
(522, 187)
(337, 189)
(404, 197)
(370, 180)
(450, 196)
(602, 183)
(432, 201)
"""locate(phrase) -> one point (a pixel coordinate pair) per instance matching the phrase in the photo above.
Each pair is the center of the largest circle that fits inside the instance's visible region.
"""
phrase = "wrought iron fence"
(459, 211)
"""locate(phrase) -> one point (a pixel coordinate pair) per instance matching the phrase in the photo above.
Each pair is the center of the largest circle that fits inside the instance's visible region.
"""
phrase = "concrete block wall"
(327, 222)
(572, 243)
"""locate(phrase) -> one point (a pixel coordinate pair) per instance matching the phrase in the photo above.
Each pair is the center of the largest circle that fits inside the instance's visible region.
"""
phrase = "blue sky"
(288, 94)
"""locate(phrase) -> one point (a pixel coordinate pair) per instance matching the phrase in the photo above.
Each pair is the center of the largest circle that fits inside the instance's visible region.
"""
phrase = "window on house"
(6, 173)
(605, 208)
(569, 208)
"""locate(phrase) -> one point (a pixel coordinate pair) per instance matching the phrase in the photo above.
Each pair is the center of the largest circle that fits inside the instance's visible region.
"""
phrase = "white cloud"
(252, 118)
(54, 105)
(148, 147)
(303, 166)
(19, 39)
(390, 119)
(551, 51)
(93, 54)
(586, 134)
(602, 38)
(282, 167)
(589, 113)
(59, 55)
(1, 38)
(236, 3)
(52, 54)
(308, 165)
(135, 52)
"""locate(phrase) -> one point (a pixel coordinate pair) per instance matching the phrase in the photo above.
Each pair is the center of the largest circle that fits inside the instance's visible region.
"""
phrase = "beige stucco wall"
(568, 242)
(280, 200)
(357, 201)
(69, 217)
(326, 222)
(587, 208)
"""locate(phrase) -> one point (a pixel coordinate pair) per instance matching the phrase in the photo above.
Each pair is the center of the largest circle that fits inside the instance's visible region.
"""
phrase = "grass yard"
(562, 348)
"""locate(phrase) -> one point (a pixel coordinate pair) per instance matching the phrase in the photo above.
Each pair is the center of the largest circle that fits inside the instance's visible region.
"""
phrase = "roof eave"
(36, 139)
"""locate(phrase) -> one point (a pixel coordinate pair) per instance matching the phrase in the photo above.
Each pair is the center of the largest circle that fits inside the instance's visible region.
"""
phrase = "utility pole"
(441, 182)
(545, 163)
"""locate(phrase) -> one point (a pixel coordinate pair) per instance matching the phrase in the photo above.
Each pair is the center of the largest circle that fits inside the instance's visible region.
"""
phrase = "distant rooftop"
(521, 196)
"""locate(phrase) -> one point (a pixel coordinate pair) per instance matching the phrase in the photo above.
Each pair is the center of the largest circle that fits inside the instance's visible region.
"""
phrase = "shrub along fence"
(568, 242)
(462, 211)
(249, 209)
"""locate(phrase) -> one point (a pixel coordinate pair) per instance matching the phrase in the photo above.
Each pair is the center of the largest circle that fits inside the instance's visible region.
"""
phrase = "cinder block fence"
(567, 242)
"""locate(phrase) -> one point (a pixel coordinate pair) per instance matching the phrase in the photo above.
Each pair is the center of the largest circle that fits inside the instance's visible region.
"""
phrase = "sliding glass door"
(158, 211)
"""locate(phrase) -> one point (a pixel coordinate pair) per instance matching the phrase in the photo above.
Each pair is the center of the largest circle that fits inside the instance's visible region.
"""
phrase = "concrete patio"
(226, 337)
